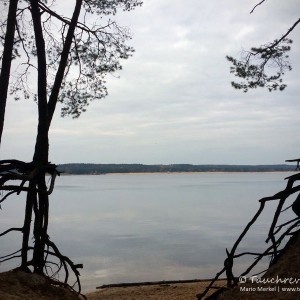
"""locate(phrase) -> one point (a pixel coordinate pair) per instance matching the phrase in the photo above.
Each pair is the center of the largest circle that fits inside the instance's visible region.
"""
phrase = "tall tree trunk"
(40, 158)
(6, 59)
(41, 147)
(38, 201)
(63, 61)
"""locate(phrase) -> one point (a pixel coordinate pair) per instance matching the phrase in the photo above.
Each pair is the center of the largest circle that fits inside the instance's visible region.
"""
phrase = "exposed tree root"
(276, 234)
(16, 177)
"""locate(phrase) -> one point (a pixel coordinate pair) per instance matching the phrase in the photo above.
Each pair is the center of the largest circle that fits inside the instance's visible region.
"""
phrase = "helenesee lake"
(148, 227)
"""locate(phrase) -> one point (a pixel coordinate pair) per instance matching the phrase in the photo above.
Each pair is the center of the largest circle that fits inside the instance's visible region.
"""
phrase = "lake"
(146, 227)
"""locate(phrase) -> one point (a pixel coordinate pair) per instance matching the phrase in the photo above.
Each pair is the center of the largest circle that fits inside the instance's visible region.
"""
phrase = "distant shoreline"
(101, 169)
(171, 173)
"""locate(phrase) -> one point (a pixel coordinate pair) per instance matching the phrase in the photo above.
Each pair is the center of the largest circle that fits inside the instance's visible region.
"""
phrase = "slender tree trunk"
(41, 208)
(6, 59)
(63, 61)
(40, 158)
(39, 201)
(41, 147)
(31, 198)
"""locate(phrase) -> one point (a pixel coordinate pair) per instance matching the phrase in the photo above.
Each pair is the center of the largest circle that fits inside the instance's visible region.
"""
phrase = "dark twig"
(261, 2)
(11, 229)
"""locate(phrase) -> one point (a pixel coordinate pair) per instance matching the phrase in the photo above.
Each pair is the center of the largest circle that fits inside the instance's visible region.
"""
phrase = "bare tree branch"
(256, 6)
(10, 230)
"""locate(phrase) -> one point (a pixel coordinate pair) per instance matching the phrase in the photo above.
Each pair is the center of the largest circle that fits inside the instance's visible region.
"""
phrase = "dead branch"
(11, 229)
(13, 170)
(10, 256)
(256, 6)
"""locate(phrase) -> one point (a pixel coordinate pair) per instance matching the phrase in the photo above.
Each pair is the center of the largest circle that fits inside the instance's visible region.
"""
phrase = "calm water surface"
(141, 227)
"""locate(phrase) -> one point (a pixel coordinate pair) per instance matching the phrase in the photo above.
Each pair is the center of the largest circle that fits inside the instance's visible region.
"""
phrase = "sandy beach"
(178, 291)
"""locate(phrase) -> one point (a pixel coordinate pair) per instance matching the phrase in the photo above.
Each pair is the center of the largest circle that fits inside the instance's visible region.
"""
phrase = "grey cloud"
(175, 92)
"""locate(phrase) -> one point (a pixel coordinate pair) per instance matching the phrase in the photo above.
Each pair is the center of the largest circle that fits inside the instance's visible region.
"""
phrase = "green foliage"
(108, 7)
(99, 44)
(262, 67)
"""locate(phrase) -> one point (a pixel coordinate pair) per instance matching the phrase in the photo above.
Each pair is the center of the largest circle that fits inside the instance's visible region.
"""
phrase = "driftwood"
(276, 234)
(297, 160)
(147, 283)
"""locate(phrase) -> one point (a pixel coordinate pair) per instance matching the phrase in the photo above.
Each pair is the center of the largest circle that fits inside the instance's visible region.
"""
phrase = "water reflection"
(142, 227)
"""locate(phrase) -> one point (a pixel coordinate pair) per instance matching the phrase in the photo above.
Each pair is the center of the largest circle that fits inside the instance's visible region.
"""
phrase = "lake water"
(146, 227)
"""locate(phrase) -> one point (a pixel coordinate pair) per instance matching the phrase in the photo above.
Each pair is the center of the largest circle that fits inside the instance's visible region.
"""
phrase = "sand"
(180, 291)
(24, 286)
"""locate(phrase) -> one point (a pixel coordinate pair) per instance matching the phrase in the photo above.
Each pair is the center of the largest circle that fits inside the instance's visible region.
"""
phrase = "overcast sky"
(173, 102)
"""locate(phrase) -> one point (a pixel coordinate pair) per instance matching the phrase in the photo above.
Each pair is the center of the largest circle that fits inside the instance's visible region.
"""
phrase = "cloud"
(175, 93)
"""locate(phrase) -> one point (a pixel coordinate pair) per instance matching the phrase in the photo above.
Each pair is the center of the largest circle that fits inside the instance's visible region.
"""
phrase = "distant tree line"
(81, 168)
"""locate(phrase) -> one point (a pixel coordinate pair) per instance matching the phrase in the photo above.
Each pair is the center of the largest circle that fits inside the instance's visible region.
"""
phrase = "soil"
(24, 286)
(17, 285)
